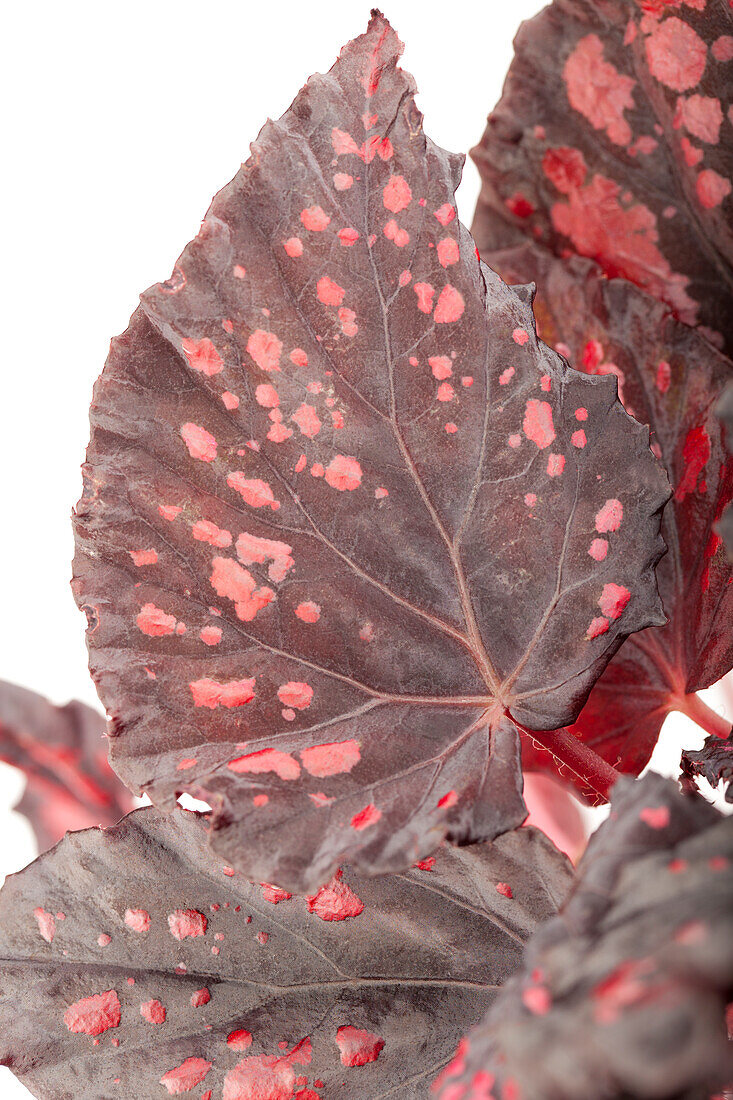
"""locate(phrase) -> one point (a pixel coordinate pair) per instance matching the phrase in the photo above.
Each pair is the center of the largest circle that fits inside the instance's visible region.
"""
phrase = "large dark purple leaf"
(63, 753)
(623, 994)
(670, 378)
(338, 504)
(614, 138)
(134, 963)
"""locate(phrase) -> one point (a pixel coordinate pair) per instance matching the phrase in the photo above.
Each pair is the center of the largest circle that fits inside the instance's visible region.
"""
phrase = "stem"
(712, 722)
(579, 757)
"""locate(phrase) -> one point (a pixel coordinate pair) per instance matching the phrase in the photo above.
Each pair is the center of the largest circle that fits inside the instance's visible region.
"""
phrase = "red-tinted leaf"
(714, 762)
(169, 972)
(554, 810)
(725, 414)
(63, 753)
(669, 377)
(613, 137)
(365, 515)
(623, 995)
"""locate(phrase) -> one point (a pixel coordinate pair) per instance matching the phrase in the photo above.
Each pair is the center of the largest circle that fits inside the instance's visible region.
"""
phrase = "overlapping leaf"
(670, 378)
(133, 963)
(63, 753)
(725, 414)
(623, 995)
(338, 506)
(713, 762)
(614, 138)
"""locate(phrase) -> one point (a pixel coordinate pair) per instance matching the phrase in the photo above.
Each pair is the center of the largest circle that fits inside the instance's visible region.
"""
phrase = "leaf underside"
(613, 139)
(725, 415)
(334, 537)
(63, 753)
(134, 963)
(670, 378)
(624, 993)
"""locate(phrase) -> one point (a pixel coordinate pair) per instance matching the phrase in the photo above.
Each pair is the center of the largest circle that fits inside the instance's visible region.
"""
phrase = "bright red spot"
(185, 923)
(329, 292)
(613, 600)
(185, 1077)
(265, 348)
(609, 517)
(712, 188)
(261, 1077)
(95, 1014)
(425, 293)
(274, 894)
(598, 549)
(331, 759)
(597, 627)
(240, 1039)
(153, 1011)
(308, 612)
(202, 355)
(565, 168)
(537, 999)
(656, 817)
(447, 800)
(335, 901)
(212, 694)
(155, 622)
(396, 194)
(137, 919)
(598, 90)
(664, 376)
(46, 924)
(370, 815)
(537, 424)
(295, 694)
(504, 889)
(294, 247)
(450, 305)
(343, 472)
(676, 54)
(520, 336)
(266, 760)
(200, 997)
(358, 1047)
(314, 218)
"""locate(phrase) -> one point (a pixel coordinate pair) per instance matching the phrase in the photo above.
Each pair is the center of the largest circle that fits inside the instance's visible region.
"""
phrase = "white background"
(120, 123)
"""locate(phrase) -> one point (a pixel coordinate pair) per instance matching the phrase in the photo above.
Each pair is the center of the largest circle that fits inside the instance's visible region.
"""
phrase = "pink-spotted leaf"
(132, 963)
(614, 139)
(623, 995)
(63, 753)
(670, 378)
(338, 502)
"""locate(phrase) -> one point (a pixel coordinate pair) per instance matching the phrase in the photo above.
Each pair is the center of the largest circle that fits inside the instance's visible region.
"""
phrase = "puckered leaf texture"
(670, 378)
(134, 964)
(339, 502)
(623, 994)
(63, 754)
(613, 138)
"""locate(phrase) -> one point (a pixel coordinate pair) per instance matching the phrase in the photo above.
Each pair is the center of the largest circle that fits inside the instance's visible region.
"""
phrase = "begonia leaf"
(614, 139)
(725, 414)
(670, 378)
(63, 753)
(333, 541)
(713, 762)
(623, 995)
(134, 964)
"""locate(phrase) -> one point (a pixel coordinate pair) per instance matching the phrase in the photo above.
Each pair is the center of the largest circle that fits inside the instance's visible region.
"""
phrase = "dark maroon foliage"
(63, 753)
(613, 138)
(714, 762)
(624, 993)
(339, 502)
(669, 377)
(132, 960)
(725, 413)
